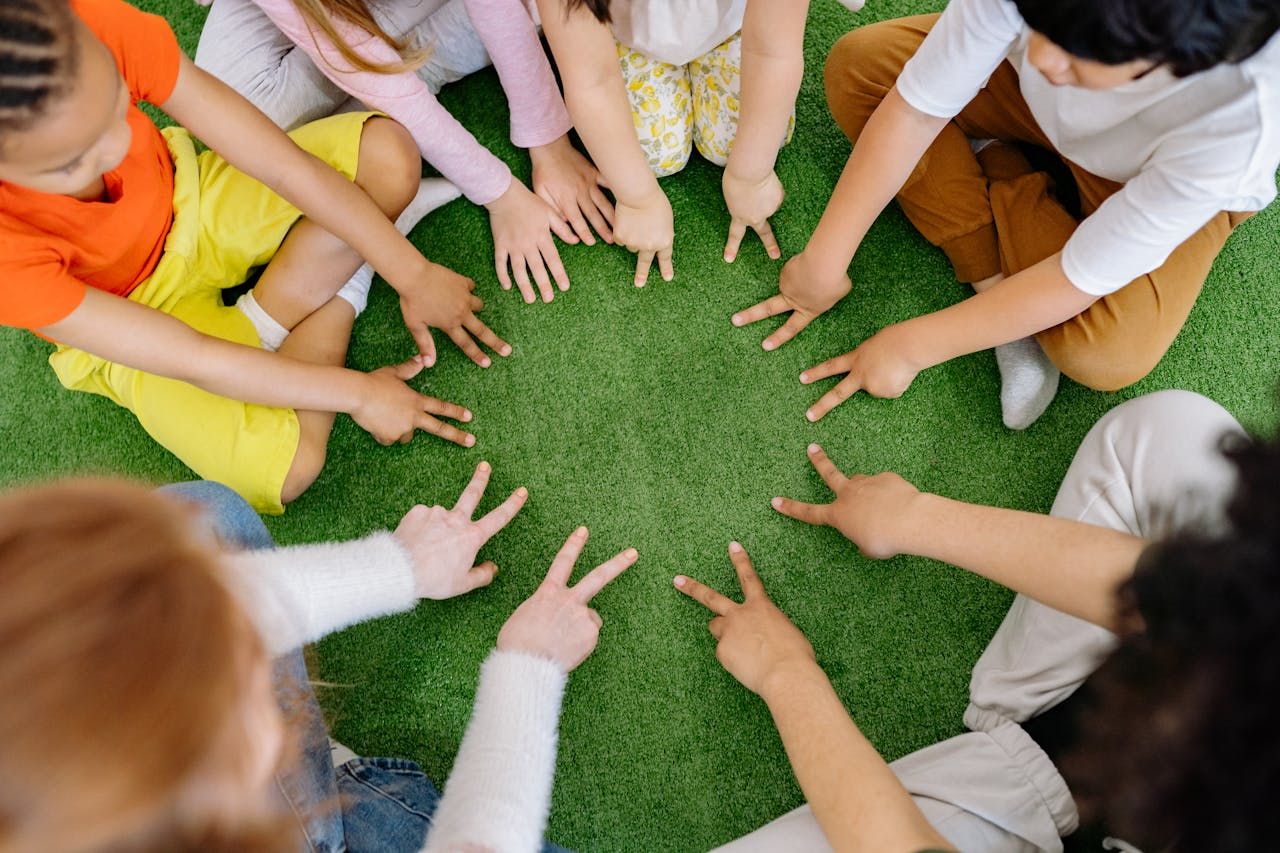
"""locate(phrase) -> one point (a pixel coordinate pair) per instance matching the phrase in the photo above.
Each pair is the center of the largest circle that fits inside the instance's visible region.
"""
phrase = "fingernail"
(639, 284)
(506, 350)
(736, 320)
(522, 492)
(581, 531)
(528, 300)
(811, 415)
(631, 553)
(483, 466)
(428, 360)
(804, 377)
(466, 416)
(680, 580)
(471, 441)
(776, 503)
(728, 259)
(485, 362)
(734, 548)
(769, 346)
(506, 287)
(814, 448)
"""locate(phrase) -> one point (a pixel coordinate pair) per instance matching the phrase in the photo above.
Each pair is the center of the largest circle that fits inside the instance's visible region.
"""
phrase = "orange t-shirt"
(54, 246)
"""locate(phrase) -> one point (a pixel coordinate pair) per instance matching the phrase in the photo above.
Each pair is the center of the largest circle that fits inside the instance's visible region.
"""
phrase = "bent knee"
(1099, 365)
(308, 462)
(390, 167)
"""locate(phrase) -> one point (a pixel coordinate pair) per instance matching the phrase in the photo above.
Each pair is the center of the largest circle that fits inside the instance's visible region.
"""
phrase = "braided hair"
(37, 58)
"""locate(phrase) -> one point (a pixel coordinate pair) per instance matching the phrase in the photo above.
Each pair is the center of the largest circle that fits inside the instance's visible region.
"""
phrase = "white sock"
(270, 332)
(1028, 382)
(432, 193)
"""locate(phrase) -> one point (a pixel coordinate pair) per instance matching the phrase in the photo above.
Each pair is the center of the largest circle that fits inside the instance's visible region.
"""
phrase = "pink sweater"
(538, 114)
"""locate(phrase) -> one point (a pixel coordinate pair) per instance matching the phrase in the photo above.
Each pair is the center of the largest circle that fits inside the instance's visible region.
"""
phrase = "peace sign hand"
(443, 543)
(755, 640)
(805, 290)
(556, 622)
(873, 512)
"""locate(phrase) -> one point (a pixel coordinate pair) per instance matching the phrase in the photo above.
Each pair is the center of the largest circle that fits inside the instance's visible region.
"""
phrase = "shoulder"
(144, 45)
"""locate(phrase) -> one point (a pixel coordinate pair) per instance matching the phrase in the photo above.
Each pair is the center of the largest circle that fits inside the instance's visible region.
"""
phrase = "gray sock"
(1028, 382)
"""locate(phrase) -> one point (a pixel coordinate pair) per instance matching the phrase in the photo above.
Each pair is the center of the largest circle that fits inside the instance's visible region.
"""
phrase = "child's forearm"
(894, 140)
(772, 69)
(1068, 565)
(1036, 299)
(855, 796)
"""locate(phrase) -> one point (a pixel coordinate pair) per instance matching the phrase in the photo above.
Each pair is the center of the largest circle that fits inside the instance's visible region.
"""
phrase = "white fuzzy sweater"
(499, 793)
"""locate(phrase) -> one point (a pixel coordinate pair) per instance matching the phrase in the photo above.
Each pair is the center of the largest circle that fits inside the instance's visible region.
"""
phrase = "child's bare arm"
(890, 146)
(587, 57)
(156, 343)
(1068, 565)
(888, 362)
(431, 295)
(772, 68)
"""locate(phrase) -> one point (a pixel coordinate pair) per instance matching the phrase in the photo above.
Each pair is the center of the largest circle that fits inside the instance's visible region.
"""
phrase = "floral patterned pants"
(675, 107)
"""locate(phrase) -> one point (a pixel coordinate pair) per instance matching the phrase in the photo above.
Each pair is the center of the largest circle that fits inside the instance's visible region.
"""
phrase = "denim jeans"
(374, 804)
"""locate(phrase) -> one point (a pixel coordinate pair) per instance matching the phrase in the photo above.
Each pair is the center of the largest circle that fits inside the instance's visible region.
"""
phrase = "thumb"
(426, 345)
(481, 575)
(406, 370)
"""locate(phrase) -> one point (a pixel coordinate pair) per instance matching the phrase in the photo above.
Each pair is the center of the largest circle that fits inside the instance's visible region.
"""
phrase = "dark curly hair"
(1180, 748)
(1186, 35)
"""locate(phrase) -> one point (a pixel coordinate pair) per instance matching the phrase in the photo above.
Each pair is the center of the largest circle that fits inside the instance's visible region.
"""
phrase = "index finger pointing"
(500, 516)
(704, 595)
(643, 262)
(474, 491)
(599, 577)
(765, 230)
(665, 266)
(737, 230)
(562, 566)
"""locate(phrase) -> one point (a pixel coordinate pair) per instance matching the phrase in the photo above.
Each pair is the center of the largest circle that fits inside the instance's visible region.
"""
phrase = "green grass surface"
(645, 415)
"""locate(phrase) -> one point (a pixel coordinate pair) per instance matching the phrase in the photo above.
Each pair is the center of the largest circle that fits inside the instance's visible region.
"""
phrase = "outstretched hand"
(755, 641)
(873, 512)
(444, 300)
(750, 205)
(557, 622)
(443, 543)
(804, 291)
(391, 411)
(882, 366)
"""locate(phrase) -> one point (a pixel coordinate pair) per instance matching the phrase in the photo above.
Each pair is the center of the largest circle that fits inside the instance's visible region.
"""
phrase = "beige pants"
(1149, 467)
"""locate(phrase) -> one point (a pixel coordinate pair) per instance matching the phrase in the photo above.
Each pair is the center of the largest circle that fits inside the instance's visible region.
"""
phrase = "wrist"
(543, 154)
(914, 527)
(789, 678)
(917, 349)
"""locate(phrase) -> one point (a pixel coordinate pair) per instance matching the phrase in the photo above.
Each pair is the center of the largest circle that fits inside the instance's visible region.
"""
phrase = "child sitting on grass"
(1162, 117)
(117, 240)
(298, 60)
(646, 80)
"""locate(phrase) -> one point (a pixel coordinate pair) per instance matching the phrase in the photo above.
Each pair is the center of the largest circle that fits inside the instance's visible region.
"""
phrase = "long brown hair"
(126, 662)
(322, 14)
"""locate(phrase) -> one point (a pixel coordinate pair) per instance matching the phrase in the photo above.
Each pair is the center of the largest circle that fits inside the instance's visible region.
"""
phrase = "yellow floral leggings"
(675, 107)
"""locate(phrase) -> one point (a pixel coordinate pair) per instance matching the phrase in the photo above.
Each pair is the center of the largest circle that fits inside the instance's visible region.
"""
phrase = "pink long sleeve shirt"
(507, 28)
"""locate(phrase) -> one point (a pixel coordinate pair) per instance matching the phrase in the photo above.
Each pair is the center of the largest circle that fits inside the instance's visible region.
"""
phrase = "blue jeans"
(382, 804)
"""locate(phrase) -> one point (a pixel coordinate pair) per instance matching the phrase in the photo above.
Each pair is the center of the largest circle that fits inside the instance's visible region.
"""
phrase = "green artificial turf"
(645, 415)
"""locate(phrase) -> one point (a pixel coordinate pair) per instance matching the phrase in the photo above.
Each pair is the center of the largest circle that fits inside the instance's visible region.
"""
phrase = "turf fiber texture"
(645, 415)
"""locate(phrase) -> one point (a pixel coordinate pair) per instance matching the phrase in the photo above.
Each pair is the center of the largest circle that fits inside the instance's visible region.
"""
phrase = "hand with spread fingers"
(805, 290)
(557, 621)
(443, 543)
(574, 187)
(445, 300)
(873, 512)
(755, 641)
(750, 204)
(392, 412)
(882, 366)
(524, 230)
(647, 228)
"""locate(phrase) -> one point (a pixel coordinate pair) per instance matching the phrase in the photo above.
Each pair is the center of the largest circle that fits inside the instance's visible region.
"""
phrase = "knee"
(858, 75)
(308, 462)
(390, 166)
(1192, 412)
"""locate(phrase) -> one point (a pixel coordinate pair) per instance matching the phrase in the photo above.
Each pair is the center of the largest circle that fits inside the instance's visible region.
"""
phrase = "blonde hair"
(123, 679)
(322, 14)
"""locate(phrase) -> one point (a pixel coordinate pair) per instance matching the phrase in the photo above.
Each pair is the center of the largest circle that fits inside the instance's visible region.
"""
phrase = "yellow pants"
(224, 224)
(675, 107)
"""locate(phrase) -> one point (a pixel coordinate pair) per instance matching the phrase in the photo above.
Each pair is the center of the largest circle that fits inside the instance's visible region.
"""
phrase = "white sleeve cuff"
(299, 594)
(499, 793)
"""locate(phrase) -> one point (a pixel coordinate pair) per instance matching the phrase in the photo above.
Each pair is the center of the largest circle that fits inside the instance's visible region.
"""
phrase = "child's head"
(136, 709)
(62, 100)
(1101, 44)
(1181, 752)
